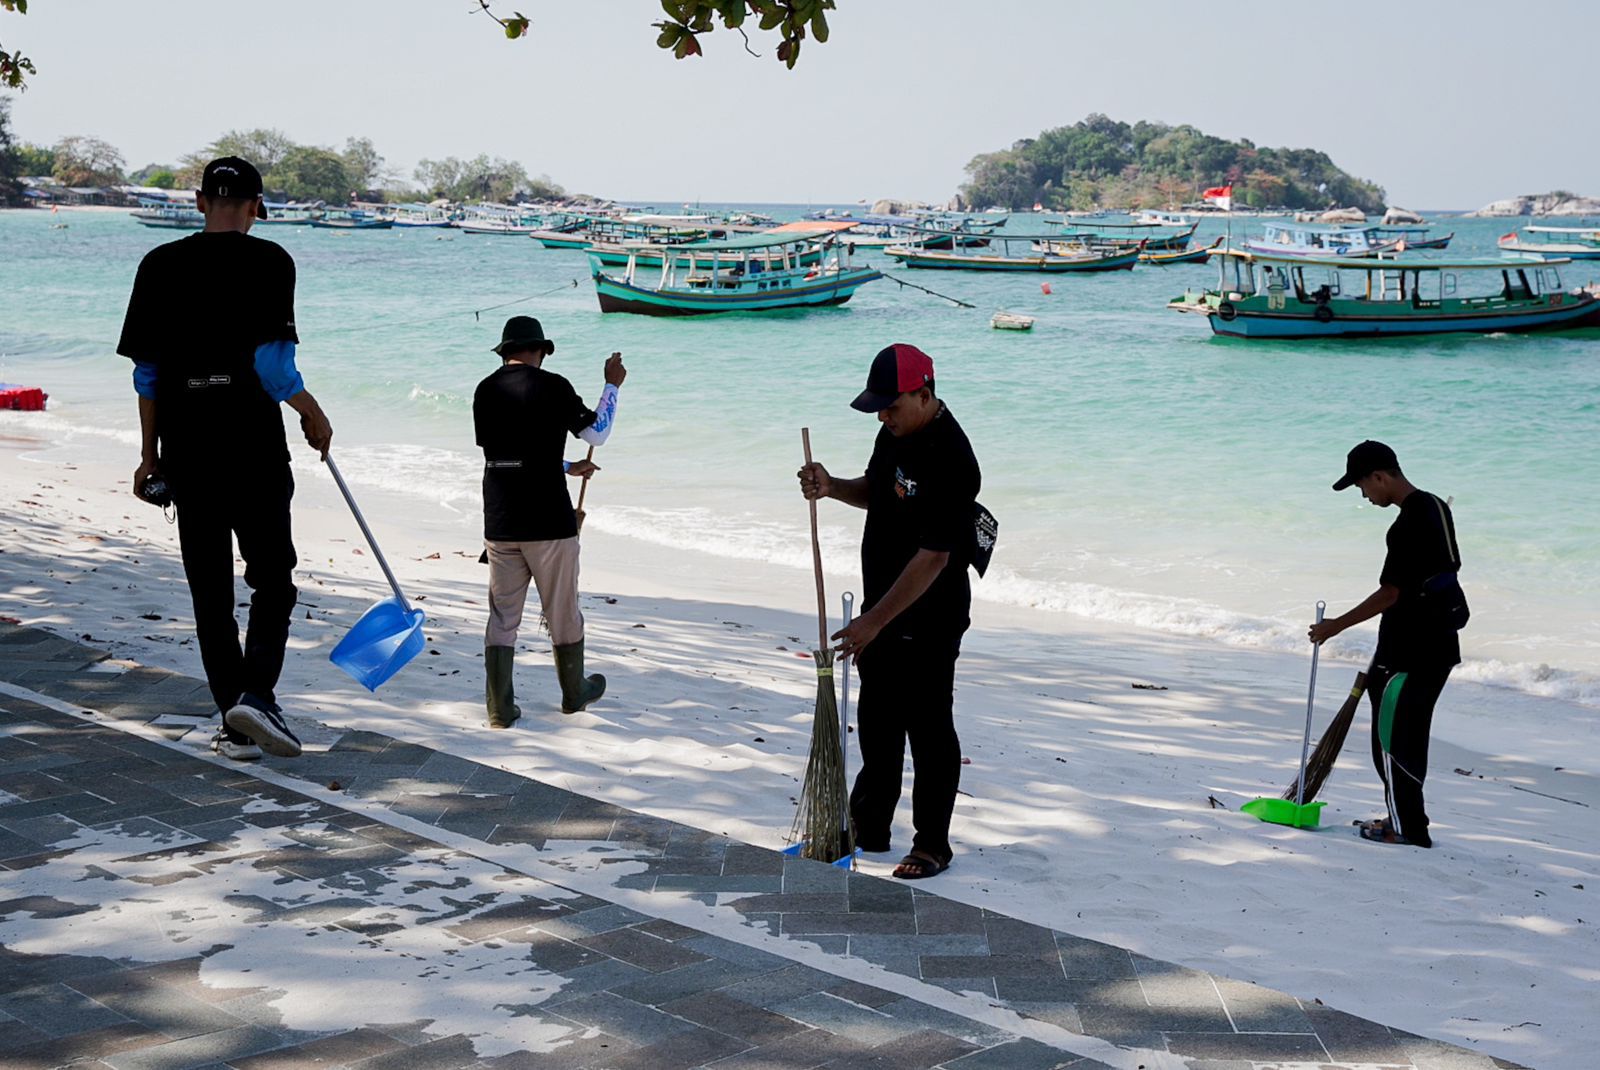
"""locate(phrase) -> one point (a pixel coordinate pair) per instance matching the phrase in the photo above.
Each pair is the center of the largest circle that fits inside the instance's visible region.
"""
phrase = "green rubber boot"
(497, 665)
(577, 690)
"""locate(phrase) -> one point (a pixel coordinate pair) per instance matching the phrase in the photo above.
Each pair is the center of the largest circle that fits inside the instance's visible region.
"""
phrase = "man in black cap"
(1423, 607)
(523, 414)
(920, 492)
(210, 328)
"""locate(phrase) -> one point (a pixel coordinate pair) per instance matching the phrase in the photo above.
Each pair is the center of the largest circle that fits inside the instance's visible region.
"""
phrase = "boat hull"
(612, 257)
(1550, 252)
(1582, 312)
(616, 295)
(1122, 261)
(370, 224)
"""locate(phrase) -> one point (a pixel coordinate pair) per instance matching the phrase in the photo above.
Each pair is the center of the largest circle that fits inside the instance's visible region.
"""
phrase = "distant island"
(1556, 202)
(1102, 163)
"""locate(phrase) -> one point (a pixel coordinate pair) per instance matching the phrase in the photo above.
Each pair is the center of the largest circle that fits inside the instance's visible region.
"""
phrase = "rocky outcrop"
(1557, 202)
(1400, 216)
(1342, 215)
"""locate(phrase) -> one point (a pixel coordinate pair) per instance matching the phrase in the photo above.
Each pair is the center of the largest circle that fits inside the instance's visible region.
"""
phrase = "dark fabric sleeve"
(277, 300)
(138, 325)
(945, 508)
(579, 415)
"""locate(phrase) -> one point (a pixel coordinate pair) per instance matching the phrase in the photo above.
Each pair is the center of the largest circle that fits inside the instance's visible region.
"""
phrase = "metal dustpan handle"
(362, 522)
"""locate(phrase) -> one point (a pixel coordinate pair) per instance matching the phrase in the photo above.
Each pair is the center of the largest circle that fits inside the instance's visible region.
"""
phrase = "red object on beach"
(22, 398)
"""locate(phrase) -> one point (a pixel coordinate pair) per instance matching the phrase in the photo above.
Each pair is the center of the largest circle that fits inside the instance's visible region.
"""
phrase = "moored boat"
(1044, 254)
(1319, 239)
(1410, 239)
(1568, 243)
(1011, 321)
(172, 214)
(1262, 295)
(737, 276)
(1162, 258)
(1147, 235)
(351, 219)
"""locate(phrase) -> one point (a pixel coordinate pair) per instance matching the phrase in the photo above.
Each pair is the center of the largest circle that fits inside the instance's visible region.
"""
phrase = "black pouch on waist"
(1444, 601)
(986, 530)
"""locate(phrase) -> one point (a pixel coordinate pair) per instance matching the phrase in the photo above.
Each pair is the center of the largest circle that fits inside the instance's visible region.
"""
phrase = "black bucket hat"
(523, 332)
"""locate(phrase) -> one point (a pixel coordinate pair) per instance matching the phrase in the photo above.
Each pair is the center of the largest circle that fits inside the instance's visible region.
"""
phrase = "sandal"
(1381, 824)
(1387, 835)
(919, 865)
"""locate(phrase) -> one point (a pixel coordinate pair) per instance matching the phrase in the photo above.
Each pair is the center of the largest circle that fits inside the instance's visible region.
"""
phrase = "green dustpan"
(1285, 812)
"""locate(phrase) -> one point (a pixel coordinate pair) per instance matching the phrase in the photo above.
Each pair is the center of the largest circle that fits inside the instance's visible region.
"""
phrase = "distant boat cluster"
(1294, 280)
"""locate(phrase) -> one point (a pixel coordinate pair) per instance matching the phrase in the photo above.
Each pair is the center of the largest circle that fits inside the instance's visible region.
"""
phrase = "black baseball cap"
(229, 176)
(523, 332)
(1365, 459)
(896, 370)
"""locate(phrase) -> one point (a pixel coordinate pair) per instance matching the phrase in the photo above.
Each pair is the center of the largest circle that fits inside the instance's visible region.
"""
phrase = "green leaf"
(670, 32)
(771, 17)
(819, 27)
(794, 54)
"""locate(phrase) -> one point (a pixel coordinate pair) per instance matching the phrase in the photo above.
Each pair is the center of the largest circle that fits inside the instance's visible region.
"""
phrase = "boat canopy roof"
(1396, 263)
(742, 243)
(815, 226)
(1564, 230)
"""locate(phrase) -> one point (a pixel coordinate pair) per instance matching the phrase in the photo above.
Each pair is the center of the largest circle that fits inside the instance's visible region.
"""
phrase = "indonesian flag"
(1221, 196)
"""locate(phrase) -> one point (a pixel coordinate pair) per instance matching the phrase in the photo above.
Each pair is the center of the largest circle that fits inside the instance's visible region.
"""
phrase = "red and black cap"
(229, 176)
(1368, 457)
(897, 369)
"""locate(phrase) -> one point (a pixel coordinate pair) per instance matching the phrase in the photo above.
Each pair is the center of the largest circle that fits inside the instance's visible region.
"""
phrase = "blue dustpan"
(386, 637)
(390, 633)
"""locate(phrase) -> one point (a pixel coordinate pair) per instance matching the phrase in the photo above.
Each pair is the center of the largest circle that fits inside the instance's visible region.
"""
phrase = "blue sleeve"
(144, 379)
(275, 368)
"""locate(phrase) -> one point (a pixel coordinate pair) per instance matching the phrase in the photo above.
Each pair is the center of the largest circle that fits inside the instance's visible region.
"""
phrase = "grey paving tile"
(1254, 1047)
(752, 958)
(714, 1010)
(866, 995)
(1090, 958)
(1015, 1055)
(936, 916)
(196, 1051)
(793, 903)
(580, 1052)
(804, 875)
(332, 1051)
(601, 975)
(642, 949)
(798, 1051)
(547, 951)
(1254, 1009)
(683, 882)
(638, 1023)
(849, 924)
(56, 1010)
(921, 1015)
(522, 912)
(1024, 967)
(742, 858)
(602, 919)
(160, 1006)
(706, 976)
(447, 1053)
(1008, 936)
(17, 1035)
(916, 1051)
(859, 1023)
(873, 947)
(1355, 1040)
(667, 930)
(980, 986)
(874, 895)
(1117, 1022)
(79, 1048)
(694, 1048)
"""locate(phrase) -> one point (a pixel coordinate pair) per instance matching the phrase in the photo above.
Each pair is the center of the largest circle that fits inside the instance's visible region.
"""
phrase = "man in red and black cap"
(920, 492)
(210, 329)
(1419, 596)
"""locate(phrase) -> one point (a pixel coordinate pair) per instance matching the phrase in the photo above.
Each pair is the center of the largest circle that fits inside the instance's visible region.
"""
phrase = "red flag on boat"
(1509, 237)
(1221, 196)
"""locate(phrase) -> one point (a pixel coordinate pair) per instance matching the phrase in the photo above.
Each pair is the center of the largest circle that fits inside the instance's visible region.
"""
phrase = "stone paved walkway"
(379, 904)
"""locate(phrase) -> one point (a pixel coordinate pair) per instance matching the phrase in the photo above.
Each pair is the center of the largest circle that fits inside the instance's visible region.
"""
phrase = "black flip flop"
(1385, 835)
(926, 866)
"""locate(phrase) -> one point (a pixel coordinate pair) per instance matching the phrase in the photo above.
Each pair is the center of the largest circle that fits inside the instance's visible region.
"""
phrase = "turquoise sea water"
(1143, 471)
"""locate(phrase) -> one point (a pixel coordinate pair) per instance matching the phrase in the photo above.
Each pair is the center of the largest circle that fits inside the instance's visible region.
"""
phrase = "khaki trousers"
(552, 565)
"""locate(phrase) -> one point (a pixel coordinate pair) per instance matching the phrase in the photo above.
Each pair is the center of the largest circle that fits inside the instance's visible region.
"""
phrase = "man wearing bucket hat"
(1422, 609)
(522, 414)
(210, 376)
(919, 491)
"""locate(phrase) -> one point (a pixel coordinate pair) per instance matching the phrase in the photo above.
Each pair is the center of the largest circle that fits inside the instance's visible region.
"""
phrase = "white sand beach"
(1091, 805)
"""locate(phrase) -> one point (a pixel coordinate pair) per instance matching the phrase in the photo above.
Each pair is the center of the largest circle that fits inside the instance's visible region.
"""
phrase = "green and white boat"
(1262, 295)
(756, 273)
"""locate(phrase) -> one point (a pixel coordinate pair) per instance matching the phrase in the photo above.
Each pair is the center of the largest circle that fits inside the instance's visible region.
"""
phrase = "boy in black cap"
(919, 491)
(210, 328)
(1423, 607)
(522, 415)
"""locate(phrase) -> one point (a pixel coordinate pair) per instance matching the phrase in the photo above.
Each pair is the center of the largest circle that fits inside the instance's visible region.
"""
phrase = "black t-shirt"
(523, 415)
(1422, 544)
(921, 491)
(200, 307)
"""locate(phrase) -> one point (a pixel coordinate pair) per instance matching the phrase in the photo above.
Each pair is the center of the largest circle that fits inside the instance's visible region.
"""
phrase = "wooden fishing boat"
(1570, 243)
(654, 254)
(1319, 239)
(1181, 256)
(1262, 295)
(1151, 236)
(289, 214)
(168, 214)
(757, 273)
(1044, 254)
(351, 219)
(1410, 239)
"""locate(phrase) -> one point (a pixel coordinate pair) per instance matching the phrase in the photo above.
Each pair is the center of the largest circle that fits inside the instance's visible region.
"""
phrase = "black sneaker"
(263, 722)
(235, 745)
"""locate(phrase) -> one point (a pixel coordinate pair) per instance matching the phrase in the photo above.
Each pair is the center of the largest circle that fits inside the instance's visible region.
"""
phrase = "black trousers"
(907, 693)
(252, 505)
(1402, 717)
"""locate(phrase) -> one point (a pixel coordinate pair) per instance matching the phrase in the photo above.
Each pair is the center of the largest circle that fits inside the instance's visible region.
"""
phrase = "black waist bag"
(1443, 600)
(985, 531)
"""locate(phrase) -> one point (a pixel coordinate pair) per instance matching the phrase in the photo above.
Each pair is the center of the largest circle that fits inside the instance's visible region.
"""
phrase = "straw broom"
(1320, 764)
(820, 824)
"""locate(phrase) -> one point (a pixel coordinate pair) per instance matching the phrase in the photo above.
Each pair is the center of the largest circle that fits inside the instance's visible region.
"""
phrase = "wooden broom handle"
(583, 490)
(816, 555)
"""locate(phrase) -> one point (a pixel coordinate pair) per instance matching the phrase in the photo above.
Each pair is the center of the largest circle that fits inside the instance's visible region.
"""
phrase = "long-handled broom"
(1320, 764)
(821, 824)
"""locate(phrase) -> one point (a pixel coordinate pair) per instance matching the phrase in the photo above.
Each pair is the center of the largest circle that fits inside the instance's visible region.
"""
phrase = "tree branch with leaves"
(14, 66)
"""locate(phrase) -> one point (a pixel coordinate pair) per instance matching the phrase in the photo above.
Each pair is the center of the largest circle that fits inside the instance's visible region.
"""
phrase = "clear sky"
(1446, 104)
